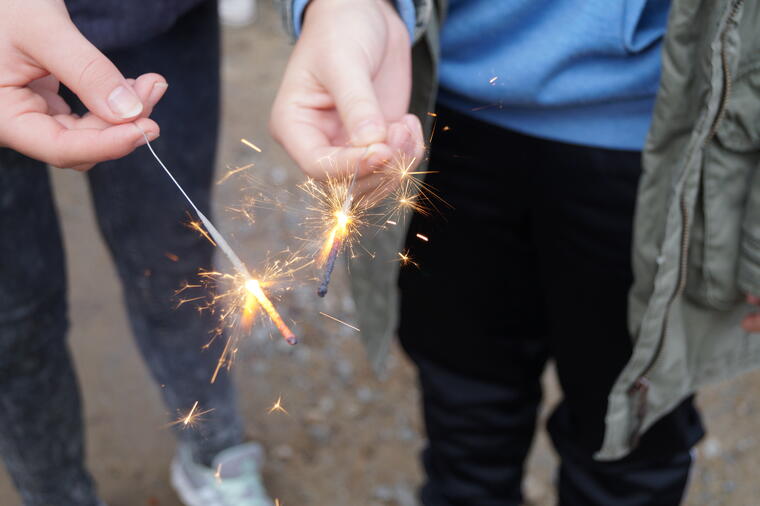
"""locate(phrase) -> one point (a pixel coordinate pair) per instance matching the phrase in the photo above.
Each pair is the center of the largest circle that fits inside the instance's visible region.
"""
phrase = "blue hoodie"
(578, 71)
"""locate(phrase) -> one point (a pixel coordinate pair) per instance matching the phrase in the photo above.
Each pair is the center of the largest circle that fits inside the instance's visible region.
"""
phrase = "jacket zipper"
(640, 387)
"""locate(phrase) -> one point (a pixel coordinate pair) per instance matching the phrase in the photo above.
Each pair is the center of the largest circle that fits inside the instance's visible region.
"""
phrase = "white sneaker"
(233, 480)
(237, 12)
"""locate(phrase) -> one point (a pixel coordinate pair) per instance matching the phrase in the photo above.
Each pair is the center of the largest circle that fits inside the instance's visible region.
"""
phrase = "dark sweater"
(116, 24)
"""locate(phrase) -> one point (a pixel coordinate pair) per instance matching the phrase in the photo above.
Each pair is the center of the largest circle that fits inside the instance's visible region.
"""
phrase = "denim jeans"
(140, 215)
(532, 264)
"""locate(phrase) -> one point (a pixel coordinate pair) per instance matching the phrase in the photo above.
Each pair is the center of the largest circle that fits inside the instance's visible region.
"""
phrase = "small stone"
(365, 394)
(314, 416)
(320, 433)
(283, 452)
(711, 448)
(383, 493)
(326, 404)
(405, 495)
(345, 370)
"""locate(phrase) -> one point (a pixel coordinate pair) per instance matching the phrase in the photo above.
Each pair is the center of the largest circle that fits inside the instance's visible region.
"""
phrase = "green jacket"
(696, 245)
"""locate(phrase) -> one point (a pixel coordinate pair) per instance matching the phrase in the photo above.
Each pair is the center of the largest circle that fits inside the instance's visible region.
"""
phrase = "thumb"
(357, 104)
(63, 51)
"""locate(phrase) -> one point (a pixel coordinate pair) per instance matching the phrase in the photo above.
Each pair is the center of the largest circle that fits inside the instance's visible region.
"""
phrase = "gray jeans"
(141, 217)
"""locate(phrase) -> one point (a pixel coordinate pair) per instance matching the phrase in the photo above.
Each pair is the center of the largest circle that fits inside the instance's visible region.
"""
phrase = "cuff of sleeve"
(298, 7)
(405, 9)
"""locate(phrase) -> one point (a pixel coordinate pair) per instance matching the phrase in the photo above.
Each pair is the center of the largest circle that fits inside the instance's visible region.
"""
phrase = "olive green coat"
(697, 226)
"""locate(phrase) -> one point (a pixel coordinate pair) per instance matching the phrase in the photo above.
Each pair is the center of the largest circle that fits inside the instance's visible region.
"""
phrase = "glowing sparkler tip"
(252, 286)
(343, 219)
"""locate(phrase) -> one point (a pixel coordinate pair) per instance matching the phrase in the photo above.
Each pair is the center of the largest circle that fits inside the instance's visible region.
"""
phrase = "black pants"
(532, 263)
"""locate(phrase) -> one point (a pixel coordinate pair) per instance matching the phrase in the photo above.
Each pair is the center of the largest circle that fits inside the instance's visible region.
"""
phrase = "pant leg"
(583, 215)
(142, 217)
(470, 318)
(41, 438)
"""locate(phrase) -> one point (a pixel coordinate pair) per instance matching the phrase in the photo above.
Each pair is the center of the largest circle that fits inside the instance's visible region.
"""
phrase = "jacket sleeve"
(415, 13)
(749, 254)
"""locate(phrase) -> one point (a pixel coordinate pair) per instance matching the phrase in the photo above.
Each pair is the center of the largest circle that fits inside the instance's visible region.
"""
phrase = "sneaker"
(233, 480)
(237, 12)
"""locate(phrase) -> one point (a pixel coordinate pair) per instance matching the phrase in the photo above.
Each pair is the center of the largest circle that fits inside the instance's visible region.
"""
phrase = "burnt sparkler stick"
(329, 266)
(251, 284)
(338, 234)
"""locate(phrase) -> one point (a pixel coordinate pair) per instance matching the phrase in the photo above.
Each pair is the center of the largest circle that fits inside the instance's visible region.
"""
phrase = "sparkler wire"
(212, 230)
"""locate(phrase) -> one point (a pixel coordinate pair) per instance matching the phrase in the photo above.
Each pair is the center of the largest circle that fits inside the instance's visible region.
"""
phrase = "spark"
(251, 145)
(406, 259)
(423, 237)
(339, 321)
(192, 418)
(277, 406)
(232, 172)
(406, 189)
(171, 256)
(195, 225)
(277, 502)
(493, 79)
(218, 473)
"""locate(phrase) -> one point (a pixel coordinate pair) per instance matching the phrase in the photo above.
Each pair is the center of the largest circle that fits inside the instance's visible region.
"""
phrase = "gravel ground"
(350, 439)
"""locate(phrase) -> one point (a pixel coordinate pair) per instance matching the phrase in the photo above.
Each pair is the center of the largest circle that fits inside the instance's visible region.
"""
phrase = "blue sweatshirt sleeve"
(405, 9)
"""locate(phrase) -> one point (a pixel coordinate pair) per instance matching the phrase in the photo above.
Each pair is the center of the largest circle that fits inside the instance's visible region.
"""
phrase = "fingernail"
(124, 103)
(367, 133)
(375, 159)
(158, 91)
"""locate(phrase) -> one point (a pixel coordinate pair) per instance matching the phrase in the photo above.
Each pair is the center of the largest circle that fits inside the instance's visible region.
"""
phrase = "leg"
(41, 437)
(141, 216)
(583, 218)
(470, 319)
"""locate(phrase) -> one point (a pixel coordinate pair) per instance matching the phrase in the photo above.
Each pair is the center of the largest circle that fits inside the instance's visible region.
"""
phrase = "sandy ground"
(350, 439)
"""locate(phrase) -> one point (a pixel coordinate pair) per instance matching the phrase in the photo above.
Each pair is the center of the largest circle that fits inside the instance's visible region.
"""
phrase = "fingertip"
(374, 159)
(158, 92)
(398, 135)
(148, 131)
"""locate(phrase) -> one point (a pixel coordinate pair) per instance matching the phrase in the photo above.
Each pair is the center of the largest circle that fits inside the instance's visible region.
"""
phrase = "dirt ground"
(350, 439)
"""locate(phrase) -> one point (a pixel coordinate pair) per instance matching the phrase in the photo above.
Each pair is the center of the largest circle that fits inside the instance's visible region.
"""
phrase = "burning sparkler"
(254, 295)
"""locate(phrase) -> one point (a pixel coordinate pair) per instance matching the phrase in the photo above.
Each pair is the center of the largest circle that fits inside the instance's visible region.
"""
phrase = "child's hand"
(39, 48)
(346, 90)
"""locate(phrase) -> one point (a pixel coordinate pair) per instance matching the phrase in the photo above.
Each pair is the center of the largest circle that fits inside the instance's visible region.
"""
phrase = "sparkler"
(338, 235)
(252, 286)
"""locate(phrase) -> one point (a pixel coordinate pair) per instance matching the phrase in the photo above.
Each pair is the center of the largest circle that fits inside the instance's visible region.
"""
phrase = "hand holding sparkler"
(346, 90)
(39, 48)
